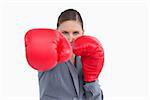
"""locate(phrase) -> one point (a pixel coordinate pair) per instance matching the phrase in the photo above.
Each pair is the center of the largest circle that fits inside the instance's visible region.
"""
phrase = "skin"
(71, 30)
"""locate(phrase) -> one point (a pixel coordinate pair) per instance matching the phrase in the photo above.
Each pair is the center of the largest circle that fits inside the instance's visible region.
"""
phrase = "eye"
(75, 33)
(65, 32)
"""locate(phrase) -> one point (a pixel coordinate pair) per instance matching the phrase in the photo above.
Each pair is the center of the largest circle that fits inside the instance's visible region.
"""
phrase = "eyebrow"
(68, 32)
(65, 32)
(76, 32)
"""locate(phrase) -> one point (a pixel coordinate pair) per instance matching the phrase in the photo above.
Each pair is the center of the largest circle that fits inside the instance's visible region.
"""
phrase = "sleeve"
(93, 91)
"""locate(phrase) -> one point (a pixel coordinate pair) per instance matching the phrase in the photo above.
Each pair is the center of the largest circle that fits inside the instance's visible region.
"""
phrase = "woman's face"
(71, 29)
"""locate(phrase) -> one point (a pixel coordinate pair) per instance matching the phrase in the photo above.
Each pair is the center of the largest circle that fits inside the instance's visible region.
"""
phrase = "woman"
(74, 79)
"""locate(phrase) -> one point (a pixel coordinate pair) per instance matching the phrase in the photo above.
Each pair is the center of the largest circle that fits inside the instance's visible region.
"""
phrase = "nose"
(71, 37)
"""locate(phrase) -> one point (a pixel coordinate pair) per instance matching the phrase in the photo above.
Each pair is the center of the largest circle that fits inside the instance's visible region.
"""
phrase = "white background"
(121, 25)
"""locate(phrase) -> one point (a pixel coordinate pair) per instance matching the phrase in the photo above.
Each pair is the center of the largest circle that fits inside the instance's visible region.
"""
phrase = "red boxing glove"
(45, 48)
(92, 56)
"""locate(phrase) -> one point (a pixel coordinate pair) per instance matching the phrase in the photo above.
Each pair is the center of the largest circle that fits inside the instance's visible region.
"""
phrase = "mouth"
(71, 43)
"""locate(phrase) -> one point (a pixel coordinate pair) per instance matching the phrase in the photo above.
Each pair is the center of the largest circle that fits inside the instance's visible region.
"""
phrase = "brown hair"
(70, 14)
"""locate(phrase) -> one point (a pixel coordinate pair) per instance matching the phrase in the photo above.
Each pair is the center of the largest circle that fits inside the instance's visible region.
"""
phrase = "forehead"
(70, 26)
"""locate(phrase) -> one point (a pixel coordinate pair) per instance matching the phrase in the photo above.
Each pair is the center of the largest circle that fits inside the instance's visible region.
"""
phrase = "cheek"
(67, 36)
